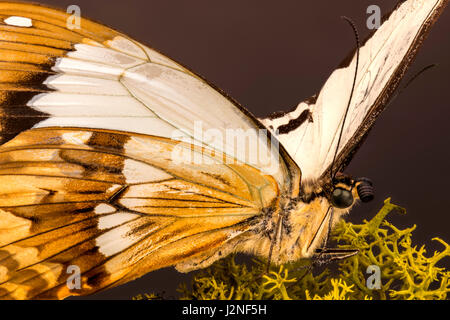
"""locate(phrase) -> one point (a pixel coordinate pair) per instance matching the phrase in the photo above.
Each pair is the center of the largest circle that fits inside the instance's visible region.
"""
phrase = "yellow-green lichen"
(406, 271)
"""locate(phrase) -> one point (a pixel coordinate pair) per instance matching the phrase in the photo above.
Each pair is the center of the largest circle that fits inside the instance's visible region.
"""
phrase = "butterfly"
(116, 160)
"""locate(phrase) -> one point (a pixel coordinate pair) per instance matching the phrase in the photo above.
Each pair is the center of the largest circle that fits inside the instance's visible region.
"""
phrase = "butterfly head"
(345, 190)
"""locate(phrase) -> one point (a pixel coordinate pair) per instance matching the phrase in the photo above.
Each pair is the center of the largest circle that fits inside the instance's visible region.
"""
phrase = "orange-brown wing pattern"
(115, 206)
(29, 56)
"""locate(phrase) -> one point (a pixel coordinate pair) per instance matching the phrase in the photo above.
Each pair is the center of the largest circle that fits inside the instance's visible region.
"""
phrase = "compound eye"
(341, 198)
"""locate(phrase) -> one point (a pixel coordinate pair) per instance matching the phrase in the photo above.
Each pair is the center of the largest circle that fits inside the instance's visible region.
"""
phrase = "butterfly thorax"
(301, 224)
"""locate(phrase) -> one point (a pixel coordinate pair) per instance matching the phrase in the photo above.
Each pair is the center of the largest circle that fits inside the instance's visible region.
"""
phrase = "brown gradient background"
(269, 55)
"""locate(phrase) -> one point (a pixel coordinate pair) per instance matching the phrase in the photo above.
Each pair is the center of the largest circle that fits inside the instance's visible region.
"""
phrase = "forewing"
(310, 133)
(95, 77)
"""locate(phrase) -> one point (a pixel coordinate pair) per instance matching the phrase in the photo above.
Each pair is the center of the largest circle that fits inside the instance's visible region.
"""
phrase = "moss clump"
(405, 271)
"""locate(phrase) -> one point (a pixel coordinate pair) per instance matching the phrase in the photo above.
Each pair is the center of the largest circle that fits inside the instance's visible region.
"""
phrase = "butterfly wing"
(95, 130)
(310, 133)
(115, 206)
(95, 77)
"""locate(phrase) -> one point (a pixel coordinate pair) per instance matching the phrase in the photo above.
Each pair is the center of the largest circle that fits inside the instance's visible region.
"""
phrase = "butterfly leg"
(274, 241)
(326, 255)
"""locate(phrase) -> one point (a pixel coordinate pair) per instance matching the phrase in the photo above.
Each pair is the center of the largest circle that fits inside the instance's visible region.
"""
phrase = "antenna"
(352, 24)
(410, 81)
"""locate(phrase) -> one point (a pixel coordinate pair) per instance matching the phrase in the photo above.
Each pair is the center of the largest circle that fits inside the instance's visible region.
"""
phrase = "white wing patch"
(104, 56)
(69, 83)
(128, 47)
(104, 208)
(60, 104)
(137, 172)
(129, 87)
(78, 138)
(113, 220)
(94, 69)
(18, 21)
(117, 239)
